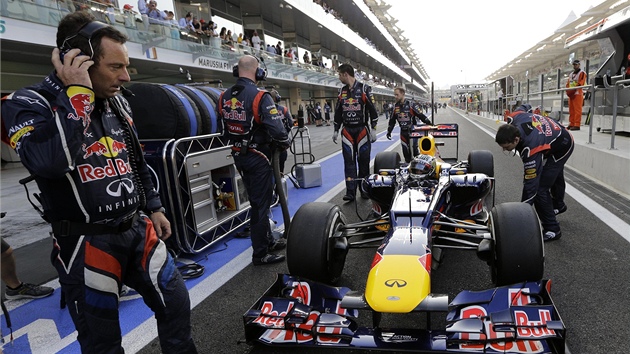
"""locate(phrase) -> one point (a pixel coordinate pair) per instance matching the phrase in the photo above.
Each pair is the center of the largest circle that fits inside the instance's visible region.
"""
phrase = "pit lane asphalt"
(589, 266)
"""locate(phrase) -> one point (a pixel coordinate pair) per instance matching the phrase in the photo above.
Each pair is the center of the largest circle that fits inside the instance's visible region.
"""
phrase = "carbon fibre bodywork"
(519, 318)
(415, 218)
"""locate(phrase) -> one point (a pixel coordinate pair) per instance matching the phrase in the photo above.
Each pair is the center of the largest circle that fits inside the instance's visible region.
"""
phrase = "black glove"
(281, 144)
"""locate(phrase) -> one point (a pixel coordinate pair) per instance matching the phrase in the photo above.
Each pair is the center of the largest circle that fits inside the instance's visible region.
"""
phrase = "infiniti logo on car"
(115, 188)
(399, 283)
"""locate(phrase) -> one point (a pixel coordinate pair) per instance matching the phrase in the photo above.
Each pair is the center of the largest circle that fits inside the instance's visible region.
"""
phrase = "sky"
(461, 41)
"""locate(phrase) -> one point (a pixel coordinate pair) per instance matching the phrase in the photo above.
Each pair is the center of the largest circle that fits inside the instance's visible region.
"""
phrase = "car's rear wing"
(449, 130)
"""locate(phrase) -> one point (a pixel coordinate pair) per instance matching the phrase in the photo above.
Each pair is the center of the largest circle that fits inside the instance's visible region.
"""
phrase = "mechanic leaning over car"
(544, 146)
(253, 124)
(74, 132)
(356, 112)
(406, 113)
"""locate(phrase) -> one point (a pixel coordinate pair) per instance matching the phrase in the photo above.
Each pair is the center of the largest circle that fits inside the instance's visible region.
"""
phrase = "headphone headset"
(275, 95)
(261, 74)
(86, 31)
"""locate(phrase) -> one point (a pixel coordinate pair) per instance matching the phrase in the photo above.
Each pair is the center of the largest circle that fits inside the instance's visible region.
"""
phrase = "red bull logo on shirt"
(82, 102)
(105, 146)
(351, 104)
(233, 103)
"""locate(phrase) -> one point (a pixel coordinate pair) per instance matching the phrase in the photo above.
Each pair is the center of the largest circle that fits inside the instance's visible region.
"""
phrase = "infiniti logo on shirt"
(115, 188)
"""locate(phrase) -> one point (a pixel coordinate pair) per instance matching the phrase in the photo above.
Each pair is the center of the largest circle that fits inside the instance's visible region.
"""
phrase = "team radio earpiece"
(87, 31)
(261, 74)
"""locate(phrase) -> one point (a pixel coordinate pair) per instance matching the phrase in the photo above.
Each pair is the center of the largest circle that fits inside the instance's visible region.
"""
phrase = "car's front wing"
(513, 319)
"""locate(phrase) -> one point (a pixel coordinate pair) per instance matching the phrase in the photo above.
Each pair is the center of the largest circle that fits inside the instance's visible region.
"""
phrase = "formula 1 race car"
(420, 209)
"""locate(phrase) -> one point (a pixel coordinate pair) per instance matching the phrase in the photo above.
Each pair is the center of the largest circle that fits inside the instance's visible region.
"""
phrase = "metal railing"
(593, 89)
(163, 34)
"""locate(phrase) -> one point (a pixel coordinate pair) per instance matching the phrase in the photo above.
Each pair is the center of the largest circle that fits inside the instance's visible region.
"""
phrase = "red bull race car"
(420, 210)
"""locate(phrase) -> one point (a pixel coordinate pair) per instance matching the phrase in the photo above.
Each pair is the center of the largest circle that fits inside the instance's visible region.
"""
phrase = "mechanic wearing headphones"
(253, 124)
(108, 223)
(544, 146)
(406, 113)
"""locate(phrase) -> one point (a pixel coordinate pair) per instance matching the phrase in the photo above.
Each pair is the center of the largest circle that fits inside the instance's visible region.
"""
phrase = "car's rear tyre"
(312, 252)
(518, 244)
(386, 160)
(481, 161)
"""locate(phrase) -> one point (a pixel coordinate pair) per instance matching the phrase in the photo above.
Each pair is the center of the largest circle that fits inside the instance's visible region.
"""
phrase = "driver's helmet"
(422, 166)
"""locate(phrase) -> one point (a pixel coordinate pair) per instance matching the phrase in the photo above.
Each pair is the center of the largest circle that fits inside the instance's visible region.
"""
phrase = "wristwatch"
(158, 210)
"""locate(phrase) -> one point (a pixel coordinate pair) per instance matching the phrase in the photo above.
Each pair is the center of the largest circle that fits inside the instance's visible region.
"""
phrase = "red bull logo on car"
(527, 328)
(105, 146)
(82, 102)
(273, 317)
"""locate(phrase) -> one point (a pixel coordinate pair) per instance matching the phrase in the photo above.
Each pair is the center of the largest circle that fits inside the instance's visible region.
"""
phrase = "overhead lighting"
(528, 55)
(541, 47)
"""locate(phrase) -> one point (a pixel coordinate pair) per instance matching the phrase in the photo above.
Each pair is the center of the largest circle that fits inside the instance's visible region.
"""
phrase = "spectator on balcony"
(170, 19)
(228, 38)
(129, 16)
(143, 7)
(196, 24)
(256, 43)
(156, 15)
(307, 59)
(279, 48)
(185, 23)
(223, 34)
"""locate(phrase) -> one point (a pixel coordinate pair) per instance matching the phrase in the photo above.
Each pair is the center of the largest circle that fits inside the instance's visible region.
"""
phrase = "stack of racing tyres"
(192, 166)
(420, 209)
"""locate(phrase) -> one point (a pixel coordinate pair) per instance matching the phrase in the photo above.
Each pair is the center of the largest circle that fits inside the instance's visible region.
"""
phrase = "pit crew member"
(544, 146)
(407, 113)
(75, 134)
(356, 112)
(252, 124)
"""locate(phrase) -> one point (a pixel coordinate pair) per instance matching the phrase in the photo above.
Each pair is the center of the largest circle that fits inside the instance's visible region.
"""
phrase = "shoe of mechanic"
(551, 236)
(560, 210)
(28, 291)
(348, 197)
(268, 259)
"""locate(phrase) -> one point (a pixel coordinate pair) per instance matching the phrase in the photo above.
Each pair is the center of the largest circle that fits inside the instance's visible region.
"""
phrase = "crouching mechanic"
(356, 112)
(254, 127)
(544, 146)
(407, 113)
(75, 134)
